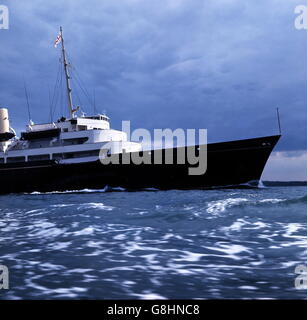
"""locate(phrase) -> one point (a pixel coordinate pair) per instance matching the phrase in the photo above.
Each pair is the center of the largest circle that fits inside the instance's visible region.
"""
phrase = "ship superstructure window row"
(78, 154)
(40, 157)
(15, 159)
(55, 156)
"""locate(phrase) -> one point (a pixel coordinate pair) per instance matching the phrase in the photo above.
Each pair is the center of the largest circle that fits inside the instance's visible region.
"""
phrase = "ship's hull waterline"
(229, 164)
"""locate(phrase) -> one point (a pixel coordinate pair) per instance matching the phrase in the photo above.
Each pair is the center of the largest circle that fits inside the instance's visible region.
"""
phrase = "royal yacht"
(69, 154)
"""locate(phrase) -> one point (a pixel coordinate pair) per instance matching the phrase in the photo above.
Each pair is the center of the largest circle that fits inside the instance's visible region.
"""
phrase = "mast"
(69, 95)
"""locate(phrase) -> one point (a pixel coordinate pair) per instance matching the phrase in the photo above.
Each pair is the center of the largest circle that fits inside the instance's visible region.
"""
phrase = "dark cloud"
(223, 65)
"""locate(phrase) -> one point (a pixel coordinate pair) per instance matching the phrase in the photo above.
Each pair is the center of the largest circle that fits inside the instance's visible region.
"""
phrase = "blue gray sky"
(223, 65)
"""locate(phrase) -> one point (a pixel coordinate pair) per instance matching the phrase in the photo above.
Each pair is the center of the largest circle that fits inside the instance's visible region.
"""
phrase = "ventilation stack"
(5, 132)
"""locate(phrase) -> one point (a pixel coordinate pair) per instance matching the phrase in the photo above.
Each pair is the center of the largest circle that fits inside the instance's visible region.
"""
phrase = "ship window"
(81, 154)
(68, 155)
(74, 141)
(82, 128)
(39, 157)
(15, 159)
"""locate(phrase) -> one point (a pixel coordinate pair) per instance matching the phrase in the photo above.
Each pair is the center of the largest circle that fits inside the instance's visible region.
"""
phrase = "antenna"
(94, 96)
(27, 98)
(278, 119)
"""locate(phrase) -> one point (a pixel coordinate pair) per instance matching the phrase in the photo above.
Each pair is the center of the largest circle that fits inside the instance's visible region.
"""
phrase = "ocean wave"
(95, 205)
(173, 244)
(241, 224)
(297, 200)
(105, 189)
(219, 206)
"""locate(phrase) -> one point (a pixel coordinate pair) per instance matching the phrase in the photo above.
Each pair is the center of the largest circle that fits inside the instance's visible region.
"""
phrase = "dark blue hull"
(229, 164)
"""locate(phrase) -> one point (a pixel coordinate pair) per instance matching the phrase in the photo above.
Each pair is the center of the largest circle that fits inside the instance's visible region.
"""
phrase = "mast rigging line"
(77, 94)
(75, 75)
(27, 98)
(55, 91)
(278, 120)
(66, 68)
(83, 89)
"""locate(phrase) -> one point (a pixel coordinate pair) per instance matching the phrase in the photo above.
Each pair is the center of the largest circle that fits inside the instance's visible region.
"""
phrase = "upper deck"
(78, 137)
(98, 122)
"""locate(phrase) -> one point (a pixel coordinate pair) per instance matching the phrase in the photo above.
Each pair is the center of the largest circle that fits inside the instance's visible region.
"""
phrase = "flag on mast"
(57, 40)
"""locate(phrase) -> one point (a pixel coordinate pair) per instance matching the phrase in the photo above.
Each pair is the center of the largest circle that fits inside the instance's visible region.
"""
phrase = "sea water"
(154, 244)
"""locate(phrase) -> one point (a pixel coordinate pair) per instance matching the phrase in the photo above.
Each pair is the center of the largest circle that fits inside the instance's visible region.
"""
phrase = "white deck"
(77, 137)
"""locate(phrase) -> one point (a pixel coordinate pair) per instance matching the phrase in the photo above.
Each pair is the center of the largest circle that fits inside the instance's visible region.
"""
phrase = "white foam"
(129, 283)
(59, 245)
(292, 228)
(216, 207)
(290, 264)
(150, 258)
(240, 224)
(150, 296)
(248, 288)
(61, 205)
(231, 250)
(191, 256)
(74, 191)
(85, 231)
(35, 211)
(120, 237)
(47, 266)
(271, 200)
(95, 205)
(80, 270)
(51, 232)
(236, 226)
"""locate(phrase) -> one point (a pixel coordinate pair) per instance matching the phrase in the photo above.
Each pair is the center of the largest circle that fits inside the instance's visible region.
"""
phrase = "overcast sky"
(223, 65)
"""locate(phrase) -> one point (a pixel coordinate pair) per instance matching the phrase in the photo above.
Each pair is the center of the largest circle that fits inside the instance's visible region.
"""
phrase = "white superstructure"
(76, 139)
(68, 141)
